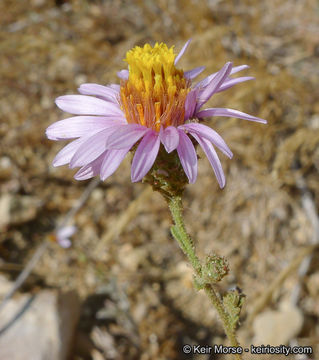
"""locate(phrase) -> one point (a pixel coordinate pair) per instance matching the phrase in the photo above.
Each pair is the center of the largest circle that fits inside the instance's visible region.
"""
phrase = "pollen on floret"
(154, 94)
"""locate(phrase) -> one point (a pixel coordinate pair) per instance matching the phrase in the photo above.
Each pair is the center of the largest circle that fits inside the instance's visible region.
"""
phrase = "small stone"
(38, 326)
(277, 327)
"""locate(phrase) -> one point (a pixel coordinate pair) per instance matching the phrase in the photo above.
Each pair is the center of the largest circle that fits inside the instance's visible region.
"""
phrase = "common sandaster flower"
(156, 103)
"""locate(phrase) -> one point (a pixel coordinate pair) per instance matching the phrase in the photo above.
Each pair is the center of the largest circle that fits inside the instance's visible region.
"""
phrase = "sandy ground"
(138, 301)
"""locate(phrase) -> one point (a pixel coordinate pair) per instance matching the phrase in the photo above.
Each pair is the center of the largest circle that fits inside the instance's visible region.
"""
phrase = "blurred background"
(123, 290)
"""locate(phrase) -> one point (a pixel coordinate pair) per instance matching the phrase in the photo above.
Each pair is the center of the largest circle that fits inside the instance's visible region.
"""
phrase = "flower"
(156, 103)
(62, 235)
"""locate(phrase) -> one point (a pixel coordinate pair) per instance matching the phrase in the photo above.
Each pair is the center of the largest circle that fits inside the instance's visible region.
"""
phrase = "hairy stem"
(185, 242)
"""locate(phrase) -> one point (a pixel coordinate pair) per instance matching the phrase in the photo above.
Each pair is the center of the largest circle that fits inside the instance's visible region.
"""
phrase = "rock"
(38, 326)
(276, 327)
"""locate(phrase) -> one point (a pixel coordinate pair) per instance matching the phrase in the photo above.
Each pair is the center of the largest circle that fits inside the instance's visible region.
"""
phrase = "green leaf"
(233, 302)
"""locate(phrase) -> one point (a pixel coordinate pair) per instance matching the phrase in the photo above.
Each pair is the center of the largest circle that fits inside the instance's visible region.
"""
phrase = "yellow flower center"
(154, 94)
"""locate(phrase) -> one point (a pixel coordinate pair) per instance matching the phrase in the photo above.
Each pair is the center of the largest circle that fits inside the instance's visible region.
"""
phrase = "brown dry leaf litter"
(138, 300)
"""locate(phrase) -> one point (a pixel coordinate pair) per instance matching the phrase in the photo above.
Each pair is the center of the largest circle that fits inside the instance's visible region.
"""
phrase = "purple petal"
(209, 134)
(231, 82)
(145, 156)
(214, 84)
(187, 156)
(169, 138)
(123, 74)
(229, 113)
(78, 126)
(90, 170)
(126, 136)
(191, 74)
(65, 155)
(87, 105)
(112, 161)
(190, 104)
(213, 159)
(116, 87)
(105, 92)
(203, 83)
(235, 69)
(65, 243)
(93, 147)
(181, 53)
(66, 231)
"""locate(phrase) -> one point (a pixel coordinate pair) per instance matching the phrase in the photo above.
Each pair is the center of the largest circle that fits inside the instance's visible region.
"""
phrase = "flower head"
(155, 91)
(62, 235)
(156, 103)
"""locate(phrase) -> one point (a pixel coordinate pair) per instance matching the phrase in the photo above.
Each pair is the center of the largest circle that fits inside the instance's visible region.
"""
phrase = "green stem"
(184, 240)
(217, 303)
(180, 234)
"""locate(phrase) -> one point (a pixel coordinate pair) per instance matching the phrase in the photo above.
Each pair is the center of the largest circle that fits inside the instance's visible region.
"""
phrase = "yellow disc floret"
(154, 94)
